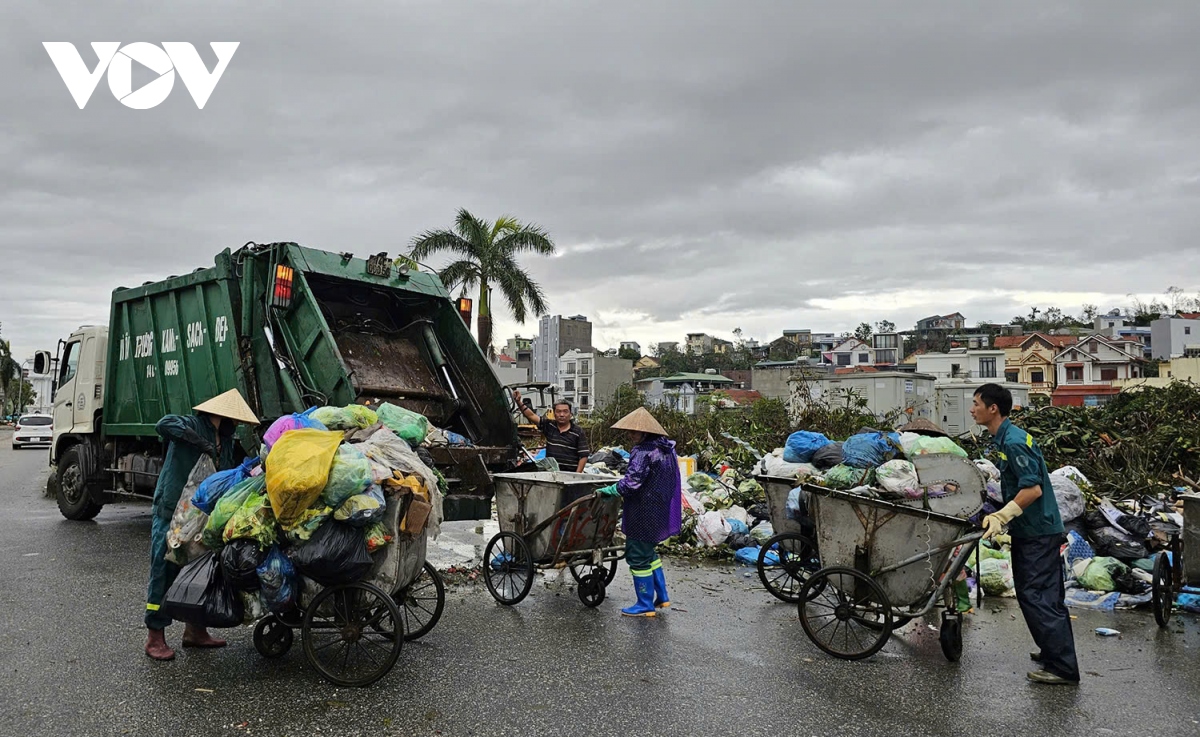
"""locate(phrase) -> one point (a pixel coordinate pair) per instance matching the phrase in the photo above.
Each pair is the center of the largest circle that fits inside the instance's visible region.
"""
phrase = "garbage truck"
(290, 327)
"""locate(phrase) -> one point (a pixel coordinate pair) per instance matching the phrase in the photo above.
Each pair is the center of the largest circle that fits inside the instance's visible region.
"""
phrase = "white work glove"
(995, 522)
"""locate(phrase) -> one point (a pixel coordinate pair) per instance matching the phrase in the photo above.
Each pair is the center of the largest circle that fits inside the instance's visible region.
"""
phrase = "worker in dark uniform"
(188, 437)
(1031, 513)
(566, 442)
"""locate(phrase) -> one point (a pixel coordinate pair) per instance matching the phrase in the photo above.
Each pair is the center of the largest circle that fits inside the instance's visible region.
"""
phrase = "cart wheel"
(797, 561)
(1162, 591)
(951, 636)
(272, 638)
(592, 589)
(508, 567)
(422, 603)
(580, 571)
(350, 634)
(835, 605)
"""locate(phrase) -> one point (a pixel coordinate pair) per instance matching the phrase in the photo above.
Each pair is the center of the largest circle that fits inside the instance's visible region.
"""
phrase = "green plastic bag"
(986, 553)
(996, 577)
(1098, 576)
(410, 426)
(350, 474)
(842, 476)
(214, 530)
(254, 520)
(350, 417)
(923, 445)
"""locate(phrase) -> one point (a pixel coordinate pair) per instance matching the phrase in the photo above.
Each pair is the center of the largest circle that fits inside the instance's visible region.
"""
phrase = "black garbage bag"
(424, 456)
(1136, 526)
(1127, 583)
(335, 554)
(201, 596)
(759, 512)
(827, 456)
(1095, 520)
(1112, 543)
(240, 560)
(739, 540)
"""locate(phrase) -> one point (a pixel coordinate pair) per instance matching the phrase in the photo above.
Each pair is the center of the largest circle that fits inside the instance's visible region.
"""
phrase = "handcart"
(352, 633)
(790, 556)
(1177, 570)
(551, 520)
(887, 562)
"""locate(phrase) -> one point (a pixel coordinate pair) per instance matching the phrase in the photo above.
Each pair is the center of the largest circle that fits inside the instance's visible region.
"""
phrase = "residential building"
(1113, 320)
(508, 372)
(589, 379)
(971, 339)
(631, 345)
(700, 343)
(1177, 369)
(1029, 359)
(888, 348)
(890, 395)
(937, 325)
(522, 350)
(742, 378)
(1086, 371)
(679, 392)
(556, 336)
(668, 346)
(646, 362)
(963, 363)
(799, 338)
(1171, 337)
(721, 346)
(850, 352)
(1142, 335)
(824, 342)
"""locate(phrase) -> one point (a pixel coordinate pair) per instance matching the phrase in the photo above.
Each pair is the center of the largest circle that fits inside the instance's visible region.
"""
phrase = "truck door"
(85, 385)
(64, 398)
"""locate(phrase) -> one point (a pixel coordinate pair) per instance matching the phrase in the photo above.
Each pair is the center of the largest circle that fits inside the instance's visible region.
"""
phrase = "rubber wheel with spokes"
(835, 606)
(272, 638)
(351, 635)
(950, 636)
(1162, 590)
(508, 568)
(797, 560)
(422, 603)
(592, 589)
(74, 492)
(580, 571)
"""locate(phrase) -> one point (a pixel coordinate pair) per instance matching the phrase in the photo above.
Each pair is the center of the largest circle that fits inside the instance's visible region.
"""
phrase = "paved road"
(728, 661)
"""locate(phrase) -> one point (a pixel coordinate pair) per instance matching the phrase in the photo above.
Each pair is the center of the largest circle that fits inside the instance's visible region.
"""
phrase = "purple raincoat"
(653, 509)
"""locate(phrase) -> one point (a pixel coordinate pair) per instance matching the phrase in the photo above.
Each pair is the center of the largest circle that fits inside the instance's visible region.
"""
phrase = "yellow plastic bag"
(298, 469)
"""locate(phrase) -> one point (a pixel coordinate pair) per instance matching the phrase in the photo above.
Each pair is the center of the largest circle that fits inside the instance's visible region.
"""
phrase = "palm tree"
(487, 256)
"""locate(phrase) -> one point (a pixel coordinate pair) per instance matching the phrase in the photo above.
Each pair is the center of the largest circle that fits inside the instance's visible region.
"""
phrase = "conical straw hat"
(641, 420)
(231, 405)
(922, 426)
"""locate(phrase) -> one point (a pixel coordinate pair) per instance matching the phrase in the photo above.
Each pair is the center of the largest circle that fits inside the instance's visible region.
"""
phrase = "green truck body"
(290, 328)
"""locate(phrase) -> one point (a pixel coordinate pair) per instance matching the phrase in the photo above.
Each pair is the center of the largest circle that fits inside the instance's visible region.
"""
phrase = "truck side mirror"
(41, 362)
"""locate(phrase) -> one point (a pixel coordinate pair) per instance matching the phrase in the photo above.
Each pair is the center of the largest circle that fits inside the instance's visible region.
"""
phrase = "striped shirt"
(565, 446)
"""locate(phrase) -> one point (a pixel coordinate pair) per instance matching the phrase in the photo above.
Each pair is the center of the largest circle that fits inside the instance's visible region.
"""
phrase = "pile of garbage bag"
(318, 507)
(608, 461)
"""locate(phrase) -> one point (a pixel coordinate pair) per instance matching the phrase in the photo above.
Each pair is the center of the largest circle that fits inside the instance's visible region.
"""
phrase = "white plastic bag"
(1068, 495)
(691, 503)
(988, 468)
(737, 513)
(774, 465)
(762, 532)
(996, 577)
(712, 529)
(897, 476)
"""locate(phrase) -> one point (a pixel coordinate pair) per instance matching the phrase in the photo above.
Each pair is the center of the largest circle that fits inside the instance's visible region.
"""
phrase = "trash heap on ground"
(335, 496)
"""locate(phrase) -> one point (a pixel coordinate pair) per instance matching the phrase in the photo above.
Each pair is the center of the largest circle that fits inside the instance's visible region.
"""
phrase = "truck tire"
(74, 492)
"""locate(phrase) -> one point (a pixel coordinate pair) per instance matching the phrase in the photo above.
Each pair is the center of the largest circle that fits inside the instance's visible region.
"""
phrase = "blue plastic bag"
(801, 445)
(749, 556)
(214, 487)
(736, 526)
(277, 576)
(870, 449)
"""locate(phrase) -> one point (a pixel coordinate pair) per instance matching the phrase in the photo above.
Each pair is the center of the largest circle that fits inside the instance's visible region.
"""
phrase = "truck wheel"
(74, 493)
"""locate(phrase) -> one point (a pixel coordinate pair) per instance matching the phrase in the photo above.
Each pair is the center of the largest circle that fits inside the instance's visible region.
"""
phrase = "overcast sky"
(701, 166)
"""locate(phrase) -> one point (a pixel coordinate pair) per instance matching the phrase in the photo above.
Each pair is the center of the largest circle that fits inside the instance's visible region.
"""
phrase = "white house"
(963, 363)
(679, 392)
(1171, 337)
(850, 352)
(1098, 360)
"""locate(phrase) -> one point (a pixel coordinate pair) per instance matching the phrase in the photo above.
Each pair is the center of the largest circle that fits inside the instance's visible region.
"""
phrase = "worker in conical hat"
(188, 437)
(653, 509)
